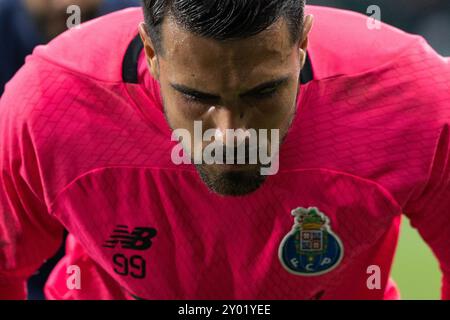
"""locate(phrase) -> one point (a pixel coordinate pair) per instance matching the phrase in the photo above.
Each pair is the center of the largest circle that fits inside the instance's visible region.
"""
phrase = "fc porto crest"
(311, 248)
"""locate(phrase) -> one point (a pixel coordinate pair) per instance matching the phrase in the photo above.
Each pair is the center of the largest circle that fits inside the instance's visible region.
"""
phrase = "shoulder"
(344, 43)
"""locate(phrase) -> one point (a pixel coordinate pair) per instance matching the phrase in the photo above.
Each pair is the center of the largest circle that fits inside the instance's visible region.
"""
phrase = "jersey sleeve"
(428, 206)
(28, 233)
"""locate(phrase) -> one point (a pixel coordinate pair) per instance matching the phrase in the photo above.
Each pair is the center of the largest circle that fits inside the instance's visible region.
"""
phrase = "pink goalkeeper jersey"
(84, 146)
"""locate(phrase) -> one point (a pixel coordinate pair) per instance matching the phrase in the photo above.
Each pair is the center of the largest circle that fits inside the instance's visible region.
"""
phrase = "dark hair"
(223, 19)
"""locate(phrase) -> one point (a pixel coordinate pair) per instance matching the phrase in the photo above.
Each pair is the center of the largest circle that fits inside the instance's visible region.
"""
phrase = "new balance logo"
(138, 239)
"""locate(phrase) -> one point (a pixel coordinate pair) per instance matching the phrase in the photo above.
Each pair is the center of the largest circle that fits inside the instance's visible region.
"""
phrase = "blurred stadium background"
(21, 28)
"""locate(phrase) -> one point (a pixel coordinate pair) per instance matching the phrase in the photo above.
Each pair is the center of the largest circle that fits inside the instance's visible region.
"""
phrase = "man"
(86, 143)
(25, 24)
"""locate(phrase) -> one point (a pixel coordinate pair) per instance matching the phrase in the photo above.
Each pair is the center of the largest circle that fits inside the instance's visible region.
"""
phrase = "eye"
(196, 98)
(190, 97)
(266, 93)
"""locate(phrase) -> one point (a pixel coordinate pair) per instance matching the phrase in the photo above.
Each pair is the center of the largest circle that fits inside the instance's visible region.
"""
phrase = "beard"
(231, 183)
(237, 182)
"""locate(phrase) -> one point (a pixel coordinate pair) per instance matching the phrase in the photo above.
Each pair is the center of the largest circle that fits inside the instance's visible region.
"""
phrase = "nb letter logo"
(139, 239)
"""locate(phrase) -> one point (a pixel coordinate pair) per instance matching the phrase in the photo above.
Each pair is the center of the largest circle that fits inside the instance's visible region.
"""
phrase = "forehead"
(261, 55)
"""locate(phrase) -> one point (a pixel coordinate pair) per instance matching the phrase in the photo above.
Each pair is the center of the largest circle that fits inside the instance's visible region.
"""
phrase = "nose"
(230, 124)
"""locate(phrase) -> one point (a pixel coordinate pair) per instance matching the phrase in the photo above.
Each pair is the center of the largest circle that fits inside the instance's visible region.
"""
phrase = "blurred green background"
(415, 269)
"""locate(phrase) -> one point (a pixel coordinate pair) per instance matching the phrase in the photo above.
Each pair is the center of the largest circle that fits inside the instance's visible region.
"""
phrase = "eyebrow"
(193, 92)
(211, 96)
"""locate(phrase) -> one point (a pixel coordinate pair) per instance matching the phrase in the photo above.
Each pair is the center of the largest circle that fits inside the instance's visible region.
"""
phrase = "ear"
(303, 44)
(150, 53)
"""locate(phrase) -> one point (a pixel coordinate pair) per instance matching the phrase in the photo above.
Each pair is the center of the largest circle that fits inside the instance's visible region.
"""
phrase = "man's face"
(243, 84)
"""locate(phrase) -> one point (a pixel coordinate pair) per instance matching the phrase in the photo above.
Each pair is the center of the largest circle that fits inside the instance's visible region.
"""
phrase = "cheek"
(178, 107)
(191, 111)
(171, 112)
(172, 109)
(276, 113)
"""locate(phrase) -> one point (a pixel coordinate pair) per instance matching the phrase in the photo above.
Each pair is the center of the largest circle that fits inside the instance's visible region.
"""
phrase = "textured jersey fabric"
(84, 150)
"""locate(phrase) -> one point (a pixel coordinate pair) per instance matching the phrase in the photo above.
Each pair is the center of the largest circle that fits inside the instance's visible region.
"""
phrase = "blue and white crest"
(311, 248)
